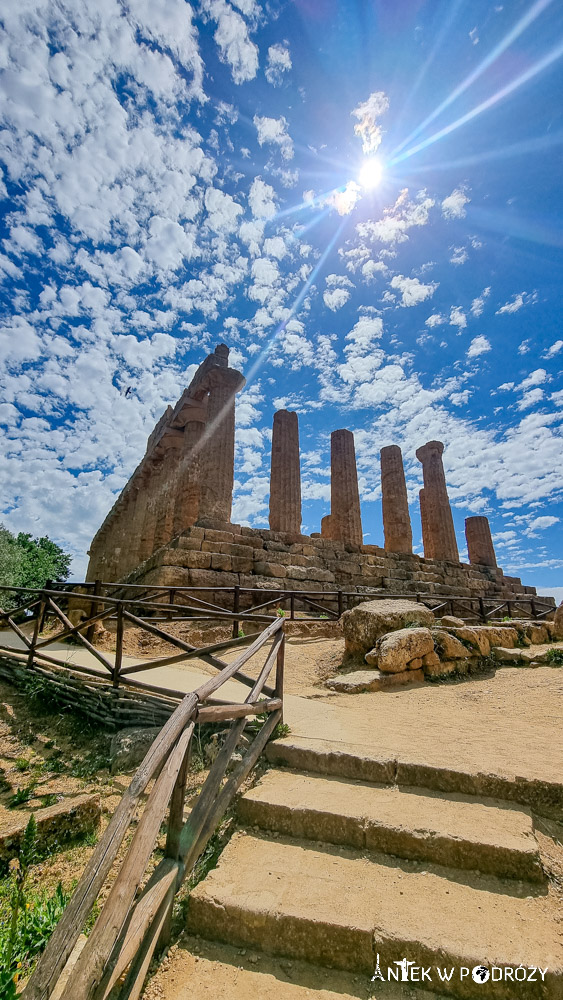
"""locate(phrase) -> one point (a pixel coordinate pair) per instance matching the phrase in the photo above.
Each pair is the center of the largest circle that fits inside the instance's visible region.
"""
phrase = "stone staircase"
(338, 872)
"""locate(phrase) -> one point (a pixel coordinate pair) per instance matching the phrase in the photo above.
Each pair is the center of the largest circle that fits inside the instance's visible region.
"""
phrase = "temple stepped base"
(215, 554)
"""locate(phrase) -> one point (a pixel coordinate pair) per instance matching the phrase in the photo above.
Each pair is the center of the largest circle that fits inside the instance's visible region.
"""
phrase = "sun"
(371, 173)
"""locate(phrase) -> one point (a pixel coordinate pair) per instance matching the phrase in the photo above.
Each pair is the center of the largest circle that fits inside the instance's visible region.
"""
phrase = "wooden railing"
(136, 917)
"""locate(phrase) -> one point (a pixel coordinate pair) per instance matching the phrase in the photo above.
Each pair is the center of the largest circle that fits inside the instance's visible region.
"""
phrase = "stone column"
(346, 519)
(146, 542)
(441, 533)
(426, 540)
(479, 541)
(326, 526)
(396, 519)
(165, 505)
(186, 509)
(218, 445)
(285, 474)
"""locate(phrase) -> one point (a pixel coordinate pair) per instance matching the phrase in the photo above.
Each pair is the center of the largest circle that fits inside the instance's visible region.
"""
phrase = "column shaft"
(426, 539)
(346, 519)
(479, 542)
(439, 520)
(396, 519)
(188, 484)
(218, 454)
(285, 475)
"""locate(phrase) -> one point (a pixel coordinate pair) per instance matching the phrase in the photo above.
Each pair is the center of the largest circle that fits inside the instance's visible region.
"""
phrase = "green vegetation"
(29, 562)
(27, 917)
(555, 657)
(281, 613)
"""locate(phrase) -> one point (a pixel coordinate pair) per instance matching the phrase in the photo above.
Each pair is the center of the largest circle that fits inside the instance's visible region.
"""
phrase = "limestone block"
(527, 656)
(271, 569)
(415, 664)
(248, 541)
(476, 636)
(212, 535)
(449, 621)
(444, 669)
(364, 624)
(169, 576)
(231, 549)
(373, 680)
(183, 542)
(396, 649)
(538, 634)
(507, 655)
(448, 647)
(221, 561)
(320, 575)
(129, 746)
(63, 821)
(241, 564)
(430, 659)
(499, 636)
(208, 578)
(198, 560)
(297, 573)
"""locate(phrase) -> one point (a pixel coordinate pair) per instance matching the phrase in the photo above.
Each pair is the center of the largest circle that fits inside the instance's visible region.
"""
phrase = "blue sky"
(176, 174)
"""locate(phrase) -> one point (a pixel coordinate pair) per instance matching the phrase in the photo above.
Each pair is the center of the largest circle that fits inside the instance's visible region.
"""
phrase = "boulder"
(507, 655)
(365, 624)
(396, 649)
(449, 621)
(499, 635)
(373, 680)
(129, 747)
(476, 636)
(450, 648)
(538, 634)
(557, 630)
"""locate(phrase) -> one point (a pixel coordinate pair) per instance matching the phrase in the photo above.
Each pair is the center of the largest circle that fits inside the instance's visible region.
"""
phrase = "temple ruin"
(172, 526)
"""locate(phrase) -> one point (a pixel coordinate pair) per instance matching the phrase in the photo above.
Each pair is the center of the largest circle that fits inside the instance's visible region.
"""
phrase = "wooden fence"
(136, 916)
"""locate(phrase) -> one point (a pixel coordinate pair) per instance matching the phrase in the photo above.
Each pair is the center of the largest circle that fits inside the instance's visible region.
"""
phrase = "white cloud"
(554, 349)
(412, 290)
(436, 319)
(530, 399)
(392, 227)
(368, 114)
(478, 303)
(235, 46)
(458, 317)
(537, 377)
(336, 298)
(459, 256)
(479, 345)
(279, 62)
(518, 300)
(453, 207)
(262, 199)
(273, 131)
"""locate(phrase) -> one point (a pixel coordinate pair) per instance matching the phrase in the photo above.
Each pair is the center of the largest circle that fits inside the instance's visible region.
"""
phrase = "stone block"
(449, 621)
(232, 549)
(186, 542)
(505, 655)
(241, 564)
(221, 561)
(373, 680)
(415, 664)
(475, 635)
(538, 634)
(272, 569)
(129, 747)
(63, 821)
(430, 659)
(448, 647)
(198, 560)
(251, 541)
(395, 650)
(297, 573)
(370, 620)
(209, 578)
(213, 535)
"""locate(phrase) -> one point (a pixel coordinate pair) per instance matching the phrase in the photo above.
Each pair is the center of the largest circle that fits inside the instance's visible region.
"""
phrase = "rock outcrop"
(363, 625)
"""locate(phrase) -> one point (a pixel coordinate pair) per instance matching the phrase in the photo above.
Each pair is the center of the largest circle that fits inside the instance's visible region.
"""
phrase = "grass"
(555, 657)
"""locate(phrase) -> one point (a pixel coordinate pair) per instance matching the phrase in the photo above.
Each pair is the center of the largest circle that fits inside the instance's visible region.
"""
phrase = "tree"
(29, 562)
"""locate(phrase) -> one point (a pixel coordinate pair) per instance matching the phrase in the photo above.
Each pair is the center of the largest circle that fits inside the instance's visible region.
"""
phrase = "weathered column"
(218, 445)
(441, 533)
(285, 474)
(346, 519)
(165, 506)
(426, 540)
(152, 488)
(396, 518)
(186, 510)
(326, 526)
(479, 542)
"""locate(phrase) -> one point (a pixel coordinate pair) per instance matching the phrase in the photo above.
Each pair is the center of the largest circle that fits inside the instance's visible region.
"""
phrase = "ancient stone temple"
(171, 525)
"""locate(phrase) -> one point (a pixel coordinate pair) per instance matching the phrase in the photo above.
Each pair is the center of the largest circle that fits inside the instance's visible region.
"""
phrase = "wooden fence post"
(175, 824)
(292, 606)
(340, 604)
(509, 608)
(482, 610)
(236, 608)
(280, 662)
(48, 586)
(533, 607)
(94, 608)
(35, 635)
(118, 645)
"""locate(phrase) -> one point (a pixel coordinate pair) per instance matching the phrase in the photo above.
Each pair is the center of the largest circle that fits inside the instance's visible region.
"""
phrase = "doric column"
(186, 509)
(326, 526)
(396, 519)
(479, 542)
(426, 540)
(165, 506)
(152, 489)
(285, 475)
(346, 523)
(218, 445)
(439, 520)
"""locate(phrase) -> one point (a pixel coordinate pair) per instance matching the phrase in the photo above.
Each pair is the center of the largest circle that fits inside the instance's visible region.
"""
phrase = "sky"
(362, 199)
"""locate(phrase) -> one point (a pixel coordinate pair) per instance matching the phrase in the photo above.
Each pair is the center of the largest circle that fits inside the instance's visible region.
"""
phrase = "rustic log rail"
(134, 917)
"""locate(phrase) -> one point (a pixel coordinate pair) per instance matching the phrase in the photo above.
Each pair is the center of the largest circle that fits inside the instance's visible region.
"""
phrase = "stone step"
(456, 830)
(350, 760)
(340, 908)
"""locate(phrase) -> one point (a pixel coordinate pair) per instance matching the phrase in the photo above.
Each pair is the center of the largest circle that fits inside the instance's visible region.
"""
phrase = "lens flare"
(371, 174)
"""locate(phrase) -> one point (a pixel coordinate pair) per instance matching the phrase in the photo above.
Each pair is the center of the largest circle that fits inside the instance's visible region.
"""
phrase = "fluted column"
(165, 506)
(396, 518)
(218, 447)
(346, 523)
(186, 511)
(426, 540)
(479, 541)
(146, 542)
(439, 520)
(326, 526)
(285, 475)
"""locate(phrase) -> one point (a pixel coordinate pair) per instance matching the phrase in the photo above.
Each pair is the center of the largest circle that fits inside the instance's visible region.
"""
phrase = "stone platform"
(217, 554)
